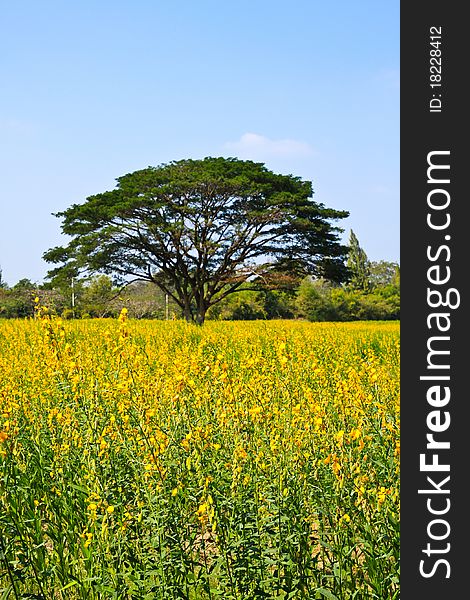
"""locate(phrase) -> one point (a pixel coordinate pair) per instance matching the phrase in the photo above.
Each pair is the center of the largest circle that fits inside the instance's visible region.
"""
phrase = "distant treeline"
(371, 294)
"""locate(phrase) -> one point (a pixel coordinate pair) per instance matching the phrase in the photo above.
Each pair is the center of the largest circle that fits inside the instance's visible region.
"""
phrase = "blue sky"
(94, 90)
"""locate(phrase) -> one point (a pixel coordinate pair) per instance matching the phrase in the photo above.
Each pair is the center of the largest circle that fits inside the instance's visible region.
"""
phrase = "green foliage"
(358, 265)
(245, 305)
(199, 229)
(144, 300)
(18, 302)
(97, 296)
(314, 300)
(68, 313)
(279, 304)
(280, 294)
(384, 273)
(3, 283)
(248, 305)
(320, 301)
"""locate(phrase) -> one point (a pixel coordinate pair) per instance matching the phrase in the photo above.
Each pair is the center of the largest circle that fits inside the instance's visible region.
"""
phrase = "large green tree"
(199, 229)
(383, 273)
(358, 264)
(3, 284)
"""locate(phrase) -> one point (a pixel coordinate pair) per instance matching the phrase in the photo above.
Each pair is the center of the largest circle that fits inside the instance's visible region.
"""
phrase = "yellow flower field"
(233, 461)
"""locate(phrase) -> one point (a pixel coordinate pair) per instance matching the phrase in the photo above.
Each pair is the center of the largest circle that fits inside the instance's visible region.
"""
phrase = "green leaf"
(327, 594)
(69, 585)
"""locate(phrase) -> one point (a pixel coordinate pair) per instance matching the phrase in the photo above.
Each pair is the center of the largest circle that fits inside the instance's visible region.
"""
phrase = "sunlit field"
(160, 460)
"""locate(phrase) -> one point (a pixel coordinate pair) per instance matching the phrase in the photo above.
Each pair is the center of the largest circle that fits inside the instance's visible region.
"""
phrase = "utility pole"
(73, 299)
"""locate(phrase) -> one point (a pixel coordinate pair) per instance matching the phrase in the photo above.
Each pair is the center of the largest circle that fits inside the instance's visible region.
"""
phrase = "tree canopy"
(358, 264)
(200, 229)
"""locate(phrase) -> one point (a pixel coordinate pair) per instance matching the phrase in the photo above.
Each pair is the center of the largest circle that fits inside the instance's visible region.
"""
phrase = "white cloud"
(15, 127)
(381, 190)
(391, 78)
(255, 146)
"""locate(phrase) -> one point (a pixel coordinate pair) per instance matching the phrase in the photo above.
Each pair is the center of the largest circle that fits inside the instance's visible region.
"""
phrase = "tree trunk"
(187, 310)
(201, 312)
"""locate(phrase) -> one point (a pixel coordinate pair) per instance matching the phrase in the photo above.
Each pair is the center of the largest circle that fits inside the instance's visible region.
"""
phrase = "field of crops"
(233, 461)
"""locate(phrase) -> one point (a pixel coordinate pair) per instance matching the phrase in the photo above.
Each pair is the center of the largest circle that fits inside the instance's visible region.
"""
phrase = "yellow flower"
(123, 315)
(201, 511)
(354, 434)
(339, 436)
